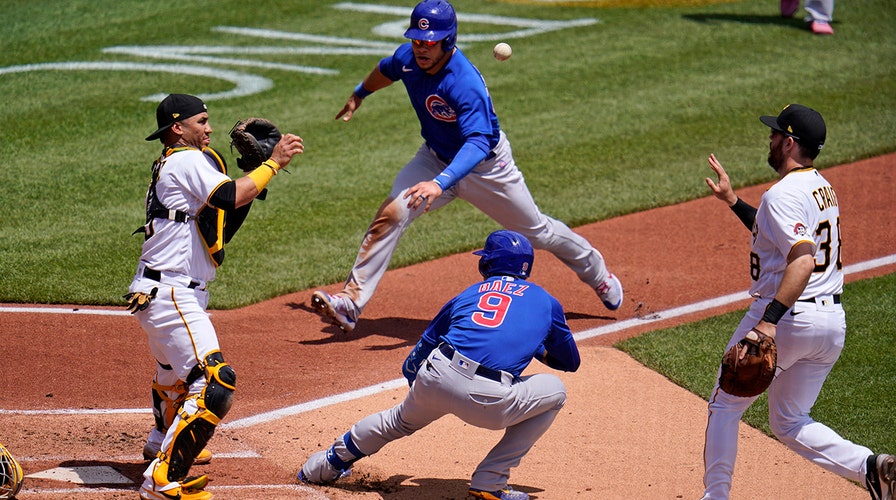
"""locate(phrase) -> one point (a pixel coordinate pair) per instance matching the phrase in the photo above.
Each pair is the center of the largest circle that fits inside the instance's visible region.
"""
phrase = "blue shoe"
(507, 493)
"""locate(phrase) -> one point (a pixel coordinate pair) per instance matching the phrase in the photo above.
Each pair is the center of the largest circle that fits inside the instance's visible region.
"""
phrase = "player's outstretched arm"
(723, 191)
(374, 81)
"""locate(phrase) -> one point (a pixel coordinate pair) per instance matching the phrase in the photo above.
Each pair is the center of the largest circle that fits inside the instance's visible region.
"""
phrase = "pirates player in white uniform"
(796, 282)
(192, 208)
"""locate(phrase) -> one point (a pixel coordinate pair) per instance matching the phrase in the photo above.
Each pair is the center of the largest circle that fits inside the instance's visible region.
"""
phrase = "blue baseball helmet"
(433, 20)
(506, 253)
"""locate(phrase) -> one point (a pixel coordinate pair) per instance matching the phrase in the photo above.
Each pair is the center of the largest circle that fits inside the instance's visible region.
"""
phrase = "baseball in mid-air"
(503, 51)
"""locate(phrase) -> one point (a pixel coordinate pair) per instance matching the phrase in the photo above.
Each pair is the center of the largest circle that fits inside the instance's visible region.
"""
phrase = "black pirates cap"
(174, 108)
(804, 124)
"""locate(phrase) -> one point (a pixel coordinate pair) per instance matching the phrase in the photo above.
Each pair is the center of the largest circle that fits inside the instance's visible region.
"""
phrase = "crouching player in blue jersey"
(468, 363)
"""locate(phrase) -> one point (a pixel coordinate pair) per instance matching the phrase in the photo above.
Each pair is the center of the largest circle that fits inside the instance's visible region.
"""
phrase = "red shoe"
(821, 28)
(789, 7)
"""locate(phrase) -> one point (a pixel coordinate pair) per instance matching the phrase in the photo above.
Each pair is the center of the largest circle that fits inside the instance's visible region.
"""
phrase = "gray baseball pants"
(498, 189)
(525, 407)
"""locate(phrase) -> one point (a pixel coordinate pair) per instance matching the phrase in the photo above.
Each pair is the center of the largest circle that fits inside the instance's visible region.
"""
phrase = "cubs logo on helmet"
(433, 20)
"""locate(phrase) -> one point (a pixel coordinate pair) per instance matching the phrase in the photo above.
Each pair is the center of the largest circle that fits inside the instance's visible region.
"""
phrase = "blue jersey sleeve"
(391, 67)
(562, 351)
(471, 154)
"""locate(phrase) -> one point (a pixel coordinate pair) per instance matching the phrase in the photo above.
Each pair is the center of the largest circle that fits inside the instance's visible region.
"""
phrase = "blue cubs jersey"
(502, 323)
(452, 105)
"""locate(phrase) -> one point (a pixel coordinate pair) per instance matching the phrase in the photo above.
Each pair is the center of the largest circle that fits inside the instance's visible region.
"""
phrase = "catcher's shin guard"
(11, 476)
(194, 430)
(163, 406)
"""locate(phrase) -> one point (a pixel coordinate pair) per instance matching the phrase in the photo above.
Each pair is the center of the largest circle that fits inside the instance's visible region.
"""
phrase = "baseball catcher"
(193, 207)
(11, 477)
(749, 366)
(254, 139)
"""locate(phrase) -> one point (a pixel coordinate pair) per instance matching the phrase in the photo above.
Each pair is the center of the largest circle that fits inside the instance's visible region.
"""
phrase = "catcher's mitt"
(254, 139)
(749, 366)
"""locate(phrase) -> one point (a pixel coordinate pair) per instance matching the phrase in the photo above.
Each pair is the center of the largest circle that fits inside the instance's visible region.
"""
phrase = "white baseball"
(502, 51)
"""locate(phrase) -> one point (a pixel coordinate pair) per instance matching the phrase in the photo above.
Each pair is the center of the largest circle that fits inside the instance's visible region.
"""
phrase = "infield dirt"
(626, 431)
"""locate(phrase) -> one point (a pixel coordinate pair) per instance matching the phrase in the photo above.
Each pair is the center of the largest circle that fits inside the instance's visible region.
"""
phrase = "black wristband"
(744, 212)
(774, 311)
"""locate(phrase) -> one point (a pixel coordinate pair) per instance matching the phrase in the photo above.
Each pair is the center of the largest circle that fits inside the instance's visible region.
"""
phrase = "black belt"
(482, 371)
(152, 274)
(836, 299)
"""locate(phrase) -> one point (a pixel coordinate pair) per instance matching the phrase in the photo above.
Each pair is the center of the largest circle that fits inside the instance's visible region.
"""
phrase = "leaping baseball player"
(465, 155)
(468, 363)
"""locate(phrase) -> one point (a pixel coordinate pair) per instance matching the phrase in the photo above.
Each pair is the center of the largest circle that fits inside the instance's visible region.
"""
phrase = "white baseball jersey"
(176, 323)
(186, 181)
(800, 208)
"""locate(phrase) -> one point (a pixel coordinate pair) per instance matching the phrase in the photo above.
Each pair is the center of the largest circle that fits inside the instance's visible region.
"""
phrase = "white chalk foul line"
(64, 310)
(594, 332)
(399, 382)
(313, 405)
(307, 491)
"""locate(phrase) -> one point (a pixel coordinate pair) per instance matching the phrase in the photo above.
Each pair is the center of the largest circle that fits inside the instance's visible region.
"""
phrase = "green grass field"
(857, 399)
(605, 119)
(610, 115)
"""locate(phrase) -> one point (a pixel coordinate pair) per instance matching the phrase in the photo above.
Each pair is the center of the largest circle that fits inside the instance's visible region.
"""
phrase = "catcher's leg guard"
(199, 416)
(165, 401)
(164, 406)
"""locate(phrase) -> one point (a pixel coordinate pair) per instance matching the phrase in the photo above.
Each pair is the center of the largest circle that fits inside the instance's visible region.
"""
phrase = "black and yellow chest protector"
(209, 220)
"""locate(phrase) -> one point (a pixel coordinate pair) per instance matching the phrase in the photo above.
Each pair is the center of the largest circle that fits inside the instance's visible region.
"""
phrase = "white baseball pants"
(809, 338)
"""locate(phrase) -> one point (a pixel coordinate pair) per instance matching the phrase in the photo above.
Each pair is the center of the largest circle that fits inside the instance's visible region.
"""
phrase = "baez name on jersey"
(507, 287)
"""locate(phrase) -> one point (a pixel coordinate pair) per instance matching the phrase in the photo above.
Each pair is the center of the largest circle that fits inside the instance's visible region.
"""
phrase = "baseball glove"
(749, 366)
(254, 139)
